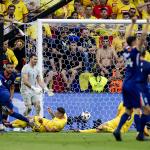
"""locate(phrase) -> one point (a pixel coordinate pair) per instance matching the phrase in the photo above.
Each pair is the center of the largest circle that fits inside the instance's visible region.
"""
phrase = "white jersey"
(32, 73)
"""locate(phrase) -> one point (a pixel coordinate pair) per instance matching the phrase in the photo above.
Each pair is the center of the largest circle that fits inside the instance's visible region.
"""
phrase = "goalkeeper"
(32, 85)
(111, 125)
(58, 122)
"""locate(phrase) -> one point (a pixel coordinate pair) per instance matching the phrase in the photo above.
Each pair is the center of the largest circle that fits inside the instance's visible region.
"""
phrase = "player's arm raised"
(51, 112)
(129, 33)
(143, 36)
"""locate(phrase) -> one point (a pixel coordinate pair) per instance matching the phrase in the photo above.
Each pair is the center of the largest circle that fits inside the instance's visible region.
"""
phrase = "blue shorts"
(5, 100)
(131, 96)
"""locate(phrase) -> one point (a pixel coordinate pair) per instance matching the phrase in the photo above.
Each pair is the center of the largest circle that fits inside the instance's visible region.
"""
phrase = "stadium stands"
(54, 39)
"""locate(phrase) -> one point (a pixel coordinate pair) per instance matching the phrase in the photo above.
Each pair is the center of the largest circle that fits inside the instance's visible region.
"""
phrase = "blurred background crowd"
(76, 57)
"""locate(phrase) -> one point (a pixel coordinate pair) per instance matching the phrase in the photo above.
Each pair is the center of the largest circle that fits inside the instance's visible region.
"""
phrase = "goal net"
(82, 61)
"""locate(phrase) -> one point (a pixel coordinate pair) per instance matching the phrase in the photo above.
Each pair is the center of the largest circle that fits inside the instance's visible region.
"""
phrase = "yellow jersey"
(2, 8)
(7, 3)
(11, 56)
(112, 124)
(56, 123)
(20, 11)
(145, 15)
(86, 2)
(32, 31)
(121, 8)
(61, 12)
(147, 56)
(135, 29)
(118, 44)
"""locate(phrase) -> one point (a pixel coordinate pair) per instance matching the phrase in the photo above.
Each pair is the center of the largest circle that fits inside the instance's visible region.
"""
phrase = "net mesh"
(83, 64)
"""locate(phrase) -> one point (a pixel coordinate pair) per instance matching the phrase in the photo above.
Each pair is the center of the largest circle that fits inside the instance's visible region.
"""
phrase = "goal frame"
(40, 22)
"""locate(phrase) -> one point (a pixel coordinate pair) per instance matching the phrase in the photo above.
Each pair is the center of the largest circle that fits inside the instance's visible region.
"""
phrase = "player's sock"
(123, 119)
(88, 131)
(19, 116)
(1, 115)
(137, 121)
(144, 120)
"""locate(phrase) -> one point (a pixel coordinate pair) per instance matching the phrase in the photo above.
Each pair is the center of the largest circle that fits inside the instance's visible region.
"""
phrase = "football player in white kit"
(32, 85)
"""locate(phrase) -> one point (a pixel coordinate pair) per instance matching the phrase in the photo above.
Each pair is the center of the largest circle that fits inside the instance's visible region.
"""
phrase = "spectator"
(21, 10)
(2, 7)
(104, 13)
(61, 13)
(125, 15)
(97, 9)
(71, 64)
(86, 42)
(77, 4)
(119, 40)
(81, 12)
(10, 17)
(88, 13)
(117, 76)
(52, 62)
(123, 7)
(86, 2)
(19, 51)
(32, 31)
(10, 54)
(143, 5)
(106, 57)
(132, 13)
(74, 15)
(146, 13)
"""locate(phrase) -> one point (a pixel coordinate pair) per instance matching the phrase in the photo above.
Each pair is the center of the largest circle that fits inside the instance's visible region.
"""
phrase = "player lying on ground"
(6, 94)
(58, 122)
(111, 125)
(131, 95)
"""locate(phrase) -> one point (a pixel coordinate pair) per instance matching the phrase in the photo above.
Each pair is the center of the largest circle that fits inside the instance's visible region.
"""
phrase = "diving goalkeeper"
(58, 122)
(111, 125)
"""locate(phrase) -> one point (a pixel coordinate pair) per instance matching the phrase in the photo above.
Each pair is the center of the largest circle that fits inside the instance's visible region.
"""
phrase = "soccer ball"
(85, 116)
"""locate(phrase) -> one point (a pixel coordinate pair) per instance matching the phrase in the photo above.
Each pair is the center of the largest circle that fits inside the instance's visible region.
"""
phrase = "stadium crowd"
(76, 58)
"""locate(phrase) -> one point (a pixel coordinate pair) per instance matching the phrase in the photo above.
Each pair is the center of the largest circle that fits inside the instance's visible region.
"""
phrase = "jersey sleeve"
(25, 70)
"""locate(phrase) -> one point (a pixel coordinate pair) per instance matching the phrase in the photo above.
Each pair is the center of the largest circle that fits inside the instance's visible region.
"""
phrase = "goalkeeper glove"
(48, 91)
(36, 90)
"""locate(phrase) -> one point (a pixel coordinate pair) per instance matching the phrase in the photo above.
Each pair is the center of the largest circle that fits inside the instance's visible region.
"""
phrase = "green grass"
(69, 141)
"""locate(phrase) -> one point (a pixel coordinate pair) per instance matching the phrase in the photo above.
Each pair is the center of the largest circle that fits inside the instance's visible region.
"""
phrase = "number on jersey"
(1, 83)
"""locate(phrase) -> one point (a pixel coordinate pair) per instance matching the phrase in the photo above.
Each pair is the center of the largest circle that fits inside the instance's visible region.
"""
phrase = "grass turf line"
(69, 141)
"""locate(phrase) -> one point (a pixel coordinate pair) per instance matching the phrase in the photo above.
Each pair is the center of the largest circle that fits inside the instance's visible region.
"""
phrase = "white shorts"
(30, 98)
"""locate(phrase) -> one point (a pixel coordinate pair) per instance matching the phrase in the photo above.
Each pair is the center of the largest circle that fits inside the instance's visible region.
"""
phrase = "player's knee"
(37, 107)
(137, 111)
(28, 109)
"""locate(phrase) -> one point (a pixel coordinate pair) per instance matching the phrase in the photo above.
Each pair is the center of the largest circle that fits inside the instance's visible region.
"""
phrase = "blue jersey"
(132, 60)
(142, 79)
(5, 83)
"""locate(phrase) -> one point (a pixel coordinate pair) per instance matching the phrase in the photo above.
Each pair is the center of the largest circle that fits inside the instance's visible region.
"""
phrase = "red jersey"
(97, 10)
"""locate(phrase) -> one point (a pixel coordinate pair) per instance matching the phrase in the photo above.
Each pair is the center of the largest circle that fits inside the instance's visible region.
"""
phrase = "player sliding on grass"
(6, 93)
(58, 122)
(131, 95)
(111, 125)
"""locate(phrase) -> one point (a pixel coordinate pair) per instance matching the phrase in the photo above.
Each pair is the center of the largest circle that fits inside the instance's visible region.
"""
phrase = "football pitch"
(69, 141)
